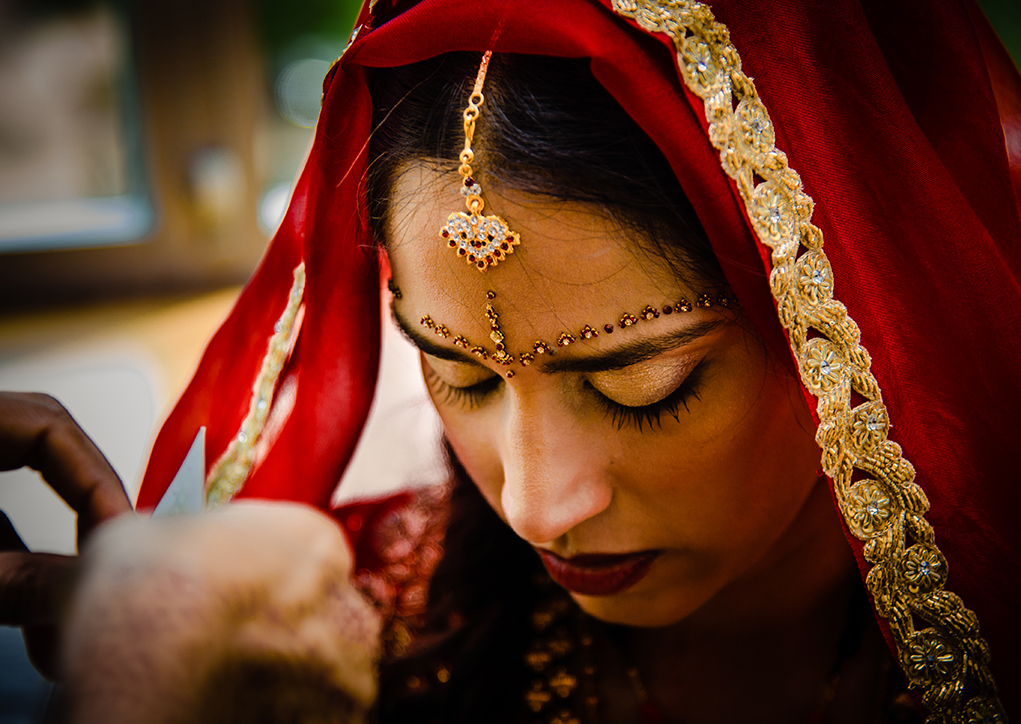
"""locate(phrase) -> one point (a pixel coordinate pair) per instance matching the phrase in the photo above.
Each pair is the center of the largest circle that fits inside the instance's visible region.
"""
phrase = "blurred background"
(147, 151)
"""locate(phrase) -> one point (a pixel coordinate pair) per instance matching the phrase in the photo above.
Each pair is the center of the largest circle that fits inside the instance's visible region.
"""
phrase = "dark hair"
(547, 127)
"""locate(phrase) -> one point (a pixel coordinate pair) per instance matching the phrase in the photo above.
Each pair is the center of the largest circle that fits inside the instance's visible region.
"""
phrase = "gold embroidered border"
(885, 508)
(229, 473)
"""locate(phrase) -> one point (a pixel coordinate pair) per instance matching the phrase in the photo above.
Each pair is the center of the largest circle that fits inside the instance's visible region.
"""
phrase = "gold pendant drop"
(483, 241)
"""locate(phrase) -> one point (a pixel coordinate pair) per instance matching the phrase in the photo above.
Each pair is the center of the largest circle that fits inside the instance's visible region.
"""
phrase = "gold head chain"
(483, 241)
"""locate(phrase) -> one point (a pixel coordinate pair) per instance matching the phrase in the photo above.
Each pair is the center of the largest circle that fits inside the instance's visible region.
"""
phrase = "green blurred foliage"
(285, 22)
(1005, 15)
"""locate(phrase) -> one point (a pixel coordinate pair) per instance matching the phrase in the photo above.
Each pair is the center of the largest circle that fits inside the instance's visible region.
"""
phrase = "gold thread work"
(228, 474)
(947, 658)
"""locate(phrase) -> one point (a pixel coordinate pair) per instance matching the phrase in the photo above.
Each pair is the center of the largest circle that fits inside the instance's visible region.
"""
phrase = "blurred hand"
(37, 432)
(241, 614)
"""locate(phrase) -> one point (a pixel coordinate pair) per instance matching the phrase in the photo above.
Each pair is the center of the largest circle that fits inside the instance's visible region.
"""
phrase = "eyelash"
(652, 415)
(621, 415)
(471, 396)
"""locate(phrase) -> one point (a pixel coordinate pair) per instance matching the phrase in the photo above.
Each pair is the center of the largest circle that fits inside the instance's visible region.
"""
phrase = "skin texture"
(716, 482)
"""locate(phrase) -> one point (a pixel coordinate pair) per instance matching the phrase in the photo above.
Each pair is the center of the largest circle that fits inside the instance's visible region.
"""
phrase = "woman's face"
(659, 464)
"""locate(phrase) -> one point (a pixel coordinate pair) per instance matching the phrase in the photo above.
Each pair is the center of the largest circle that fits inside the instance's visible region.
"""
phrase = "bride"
(716, 305)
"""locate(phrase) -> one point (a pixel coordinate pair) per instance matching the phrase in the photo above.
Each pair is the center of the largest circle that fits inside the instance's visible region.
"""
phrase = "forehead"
(574, 266)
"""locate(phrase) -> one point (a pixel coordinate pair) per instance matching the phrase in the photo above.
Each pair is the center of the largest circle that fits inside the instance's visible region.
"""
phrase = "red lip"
(598, 575)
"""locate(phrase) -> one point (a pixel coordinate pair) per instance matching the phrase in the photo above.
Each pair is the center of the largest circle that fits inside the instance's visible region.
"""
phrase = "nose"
(554, 473)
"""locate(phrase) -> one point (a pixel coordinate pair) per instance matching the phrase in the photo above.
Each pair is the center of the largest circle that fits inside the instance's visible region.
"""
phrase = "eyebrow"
(617, 358)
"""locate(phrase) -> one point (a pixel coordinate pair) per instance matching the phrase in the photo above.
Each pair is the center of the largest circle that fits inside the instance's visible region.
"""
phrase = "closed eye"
(470, 396)
(651, 415)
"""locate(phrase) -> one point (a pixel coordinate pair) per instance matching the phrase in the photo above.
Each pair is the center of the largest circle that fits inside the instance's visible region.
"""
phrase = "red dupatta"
(864, 206)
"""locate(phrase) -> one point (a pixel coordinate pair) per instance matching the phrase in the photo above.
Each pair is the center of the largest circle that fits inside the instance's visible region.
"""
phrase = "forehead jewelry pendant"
(482, 240)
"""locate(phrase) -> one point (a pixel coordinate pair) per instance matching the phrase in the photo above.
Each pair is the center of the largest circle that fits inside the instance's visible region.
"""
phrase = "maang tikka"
(482, 240)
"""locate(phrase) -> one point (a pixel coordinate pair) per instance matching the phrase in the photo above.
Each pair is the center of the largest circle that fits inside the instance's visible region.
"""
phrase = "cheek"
(744, 472)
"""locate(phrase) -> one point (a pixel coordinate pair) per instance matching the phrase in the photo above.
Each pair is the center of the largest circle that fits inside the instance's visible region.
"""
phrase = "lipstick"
(598, 574)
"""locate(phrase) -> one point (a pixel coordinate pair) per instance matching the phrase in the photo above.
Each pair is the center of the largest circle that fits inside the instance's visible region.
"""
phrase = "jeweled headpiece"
(482, 240)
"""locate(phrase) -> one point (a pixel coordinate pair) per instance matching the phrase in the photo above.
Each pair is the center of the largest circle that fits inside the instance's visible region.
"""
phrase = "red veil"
(857, 167)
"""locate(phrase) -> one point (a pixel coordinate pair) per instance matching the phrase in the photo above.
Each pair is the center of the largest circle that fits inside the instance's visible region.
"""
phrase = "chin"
(643, 610)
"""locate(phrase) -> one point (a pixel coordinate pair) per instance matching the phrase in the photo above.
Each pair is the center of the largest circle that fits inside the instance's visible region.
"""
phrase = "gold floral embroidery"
(948, 658)
(869, 509)
(228, 475)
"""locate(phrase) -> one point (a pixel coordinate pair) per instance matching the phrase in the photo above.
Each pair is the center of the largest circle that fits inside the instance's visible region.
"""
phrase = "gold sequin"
(537, 697)
(563, 683)
(565, 716)
(538, 659)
